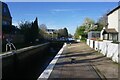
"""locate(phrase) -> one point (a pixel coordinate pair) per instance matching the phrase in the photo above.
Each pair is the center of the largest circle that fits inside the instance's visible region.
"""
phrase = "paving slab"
(79, 61)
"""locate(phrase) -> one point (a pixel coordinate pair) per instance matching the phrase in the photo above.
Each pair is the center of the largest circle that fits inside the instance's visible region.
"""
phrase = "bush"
(116, 42)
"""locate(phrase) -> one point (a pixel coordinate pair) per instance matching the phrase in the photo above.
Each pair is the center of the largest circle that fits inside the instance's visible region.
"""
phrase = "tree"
(63, 33)
(102, 22)
(88, 21)
(43, 27)
(25, 30)
(42, 31)
(30, 30)
(70, 35)
(34, 30)
(80, 31)
(60, 33)
(89, 24)
(10, 29)
(76, 35)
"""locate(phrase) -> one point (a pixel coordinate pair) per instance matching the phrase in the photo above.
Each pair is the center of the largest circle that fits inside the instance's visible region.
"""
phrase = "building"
(6, 19)
(6, 16)
(7, 27)
(52, 33)
(9, 30)
(112, 31)
(94, 35)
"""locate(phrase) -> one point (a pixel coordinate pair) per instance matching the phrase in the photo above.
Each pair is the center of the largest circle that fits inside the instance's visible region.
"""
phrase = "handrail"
(21, 50)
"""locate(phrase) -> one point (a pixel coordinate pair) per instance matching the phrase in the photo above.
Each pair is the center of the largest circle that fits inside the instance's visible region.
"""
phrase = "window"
(105, 36)
(115, 37)
(98, 34)
(93, 35)
(4, 9)
(5, 22)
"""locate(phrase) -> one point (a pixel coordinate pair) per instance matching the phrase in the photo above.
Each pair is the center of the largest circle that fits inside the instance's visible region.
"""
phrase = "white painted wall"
(119, 35)
(113, 20)
(96, 45)
(119, 25)
(101, 36)
(113, 52)
(119, 52)
(106, 48)
(91, 43)
(87, 41)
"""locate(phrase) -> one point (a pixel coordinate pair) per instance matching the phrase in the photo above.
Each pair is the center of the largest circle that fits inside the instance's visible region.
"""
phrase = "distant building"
(51, 31)
(112, 32)
(94, 35)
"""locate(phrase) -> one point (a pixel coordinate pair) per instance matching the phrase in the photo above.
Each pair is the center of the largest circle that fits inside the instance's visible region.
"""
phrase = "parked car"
(78, 40)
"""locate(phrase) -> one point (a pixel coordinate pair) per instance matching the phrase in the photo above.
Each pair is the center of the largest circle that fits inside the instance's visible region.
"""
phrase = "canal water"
(32, 68)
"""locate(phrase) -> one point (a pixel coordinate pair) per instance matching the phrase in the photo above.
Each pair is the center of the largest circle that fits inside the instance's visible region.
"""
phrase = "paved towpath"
(80, 61)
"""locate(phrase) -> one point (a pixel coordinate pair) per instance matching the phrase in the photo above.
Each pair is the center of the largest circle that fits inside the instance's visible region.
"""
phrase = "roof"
(7, 13)
(112, 30)
(113, 10)
(51, 30)
(94, 32)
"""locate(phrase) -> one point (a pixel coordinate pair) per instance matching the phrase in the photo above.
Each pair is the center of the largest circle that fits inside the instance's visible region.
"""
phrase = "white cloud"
(65, 10)
(15, 23)
(31, 14)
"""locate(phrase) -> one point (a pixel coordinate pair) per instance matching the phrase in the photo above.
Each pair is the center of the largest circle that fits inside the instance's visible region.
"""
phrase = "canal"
(31, 68)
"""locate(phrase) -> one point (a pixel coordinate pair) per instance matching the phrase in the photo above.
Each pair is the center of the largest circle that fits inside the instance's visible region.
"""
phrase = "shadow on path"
(82, 61)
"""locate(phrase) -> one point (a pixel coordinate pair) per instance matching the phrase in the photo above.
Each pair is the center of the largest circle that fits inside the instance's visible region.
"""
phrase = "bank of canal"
(32, 66)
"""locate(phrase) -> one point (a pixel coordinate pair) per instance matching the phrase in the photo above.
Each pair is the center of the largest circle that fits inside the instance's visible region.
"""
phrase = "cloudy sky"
(59, 14)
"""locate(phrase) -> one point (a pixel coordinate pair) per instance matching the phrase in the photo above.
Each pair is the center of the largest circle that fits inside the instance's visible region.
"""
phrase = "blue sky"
(59, 14)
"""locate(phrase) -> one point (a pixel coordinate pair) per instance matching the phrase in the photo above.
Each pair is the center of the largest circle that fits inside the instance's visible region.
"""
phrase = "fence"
(107, 48)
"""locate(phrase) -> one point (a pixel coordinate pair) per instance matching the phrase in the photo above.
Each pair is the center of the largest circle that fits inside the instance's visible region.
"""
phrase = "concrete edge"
(46, 73)
(21, 50)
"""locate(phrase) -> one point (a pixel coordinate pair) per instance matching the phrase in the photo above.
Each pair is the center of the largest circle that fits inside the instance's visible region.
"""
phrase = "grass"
(83, 40)
(98, 53)
(116, 42)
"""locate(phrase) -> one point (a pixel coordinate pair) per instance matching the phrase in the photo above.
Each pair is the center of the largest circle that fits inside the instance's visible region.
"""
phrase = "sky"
(58, 15)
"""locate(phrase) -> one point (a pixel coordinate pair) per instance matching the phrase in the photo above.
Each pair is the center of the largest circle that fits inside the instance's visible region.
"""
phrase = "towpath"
(79, 61)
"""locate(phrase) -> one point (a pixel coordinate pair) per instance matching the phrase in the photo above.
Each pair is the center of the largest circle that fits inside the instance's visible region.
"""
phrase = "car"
(78, 40)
